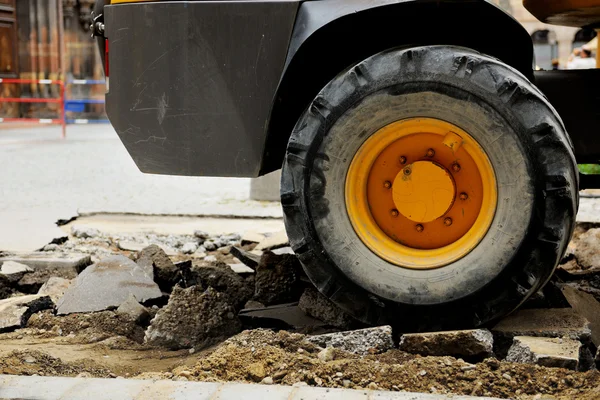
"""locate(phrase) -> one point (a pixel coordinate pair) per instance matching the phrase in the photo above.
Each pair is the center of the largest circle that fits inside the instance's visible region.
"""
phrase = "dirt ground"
(285, 358)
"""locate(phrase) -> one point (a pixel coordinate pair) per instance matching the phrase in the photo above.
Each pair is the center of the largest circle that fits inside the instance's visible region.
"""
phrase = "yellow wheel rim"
(421, 193)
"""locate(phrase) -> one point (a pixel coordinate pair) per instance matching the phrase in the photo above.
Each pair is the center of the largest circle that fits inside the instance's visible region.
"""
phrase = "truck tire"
(429, 188)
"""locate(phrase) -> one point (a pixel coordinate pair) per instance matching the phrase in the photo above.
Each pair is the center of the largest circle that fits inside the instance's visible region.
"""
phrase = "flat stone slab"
(13, 270)
(241, 269)
(15, 311)
(60, 388)
(548, 352)
(274, 241)
(106, 285)
(467, 343)
(553, 322)
(44, 260)
(363, 341)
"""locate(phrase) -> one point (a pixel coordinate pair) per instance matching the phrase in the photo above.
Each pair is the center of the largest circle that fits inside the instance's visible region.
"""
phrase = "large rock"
(278, 279)
(362, 341)
(548, 352)
(469, 343)
(158, 265)
(316, 305)
(106, 285)
(194, 317)
(223, 279)
(55, 288)
(13, 270)
(558, 322)
(587, 306)
(586, 250)
(15, 311)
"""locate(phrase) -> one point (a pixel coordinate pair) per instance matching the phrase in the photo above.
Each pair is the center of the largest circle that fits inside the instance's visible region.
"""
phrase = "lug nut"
(419, 228)
(430, 153)
(448, 221)
(387, 184)
(395, 213)
(464, 196)
(407, 171)
(456, 167)
(402, 160)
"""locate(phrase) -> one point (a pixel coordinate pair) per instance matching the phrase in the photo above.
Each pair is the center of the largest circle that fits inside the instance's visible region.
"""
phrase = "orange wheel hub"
(421, 193)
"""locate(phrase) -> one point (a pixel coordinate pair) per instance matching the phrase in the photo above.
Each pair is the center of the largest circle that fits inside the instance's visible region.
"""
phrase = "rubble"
(189, 248)
(468, 343)
(548, 352)
(84, 232)
(14, 271)
(316, 305)
(273, 241)
(362, 341)
(51, 261)
(106, 285)
(252, 237)
(6, 287)
(588, 307)
(278, 279)
(283, 250)
(15, 311)
(249, 259)
(241, 269)
(222, 278)
(194, 317)
(159, 266)
(201, 235)
(559, 322)
(134, 310)
(55, 287)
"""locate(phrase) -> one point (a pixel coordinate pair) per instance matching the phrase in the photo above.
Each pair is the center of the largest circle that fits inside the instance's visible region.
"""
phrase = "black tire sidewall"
(525, 141)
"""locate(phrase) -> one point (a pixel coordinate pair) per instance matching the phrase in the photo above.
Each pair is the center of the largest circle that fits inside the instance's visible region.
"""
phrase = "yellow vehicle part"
(421, 193)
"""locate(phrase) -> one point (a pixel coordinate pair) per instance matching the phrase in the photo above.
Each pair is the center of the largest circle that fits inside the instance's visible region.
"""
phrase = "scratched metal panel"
(192, 83)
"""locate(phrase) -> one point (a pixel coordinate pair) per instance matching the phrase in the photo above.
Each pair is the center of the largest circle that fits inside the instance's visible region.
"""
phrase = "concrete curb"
(45, 388)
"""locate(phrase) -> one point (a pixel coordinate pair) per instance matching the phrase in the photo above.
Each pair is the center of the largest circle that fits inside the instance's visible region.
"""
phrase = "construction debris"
(548, 352)
(469, 343)
(278, 279)
(14, 271)
(107, 284)
(134, 310)
(362, 341)
(194, 317)
(318, 306)
(15, 311)
(55, 287)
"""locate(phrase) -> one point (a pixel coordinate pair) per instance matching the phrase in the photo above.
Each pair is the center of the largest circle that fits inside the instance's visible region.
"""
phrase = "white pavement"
(45, 178)
(44, 388)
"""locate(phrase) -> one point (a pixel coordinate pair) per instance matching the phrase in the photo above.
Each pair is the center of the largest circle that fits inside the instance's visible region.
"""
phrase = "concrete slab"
(48, 388)
(362, 341)
(42, 260)
(548, 352)
(107, 284)
(587, 306)
(466, 343)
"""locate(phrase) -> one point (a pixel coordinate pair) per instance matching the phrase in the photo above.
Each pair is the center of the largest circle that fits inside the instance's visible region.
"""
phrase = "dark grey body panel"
(192, 83)
(213, 88)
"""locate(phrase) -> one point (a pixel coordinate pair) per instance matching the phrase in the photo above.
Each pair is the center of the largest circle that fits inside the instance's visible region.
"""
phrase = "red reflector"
(106, 56)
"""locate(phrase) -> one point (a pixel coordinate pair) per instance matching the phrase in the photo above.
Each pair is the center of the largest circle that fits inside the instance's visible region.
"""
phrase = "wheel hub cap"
(423, 191)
